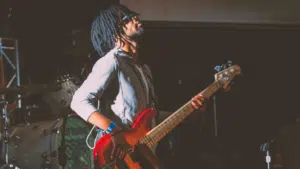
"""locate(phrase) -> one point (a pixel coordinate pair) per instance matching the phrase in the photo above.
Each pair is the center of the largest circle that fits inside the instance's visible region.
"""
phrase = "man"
(120, 82)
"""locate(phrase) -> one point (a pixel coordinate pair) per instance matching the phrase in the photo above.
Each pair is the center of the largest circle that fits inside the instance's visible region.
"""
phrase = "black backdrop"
(261, 102)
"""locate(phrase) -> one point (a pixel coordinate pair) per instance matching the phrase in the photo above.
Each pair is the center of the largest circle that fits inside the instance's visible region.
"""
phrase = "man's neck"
(131, 47)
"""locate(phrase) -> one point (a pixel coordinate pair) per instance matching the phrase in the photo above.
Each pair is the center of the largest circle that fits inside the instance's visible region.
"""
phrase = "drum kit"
(34, 137)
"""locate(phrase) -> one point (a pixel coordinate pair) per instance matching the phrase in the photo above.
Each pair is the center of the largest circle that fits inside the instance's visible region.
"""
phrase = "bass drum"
(33, 146)
(73, 150)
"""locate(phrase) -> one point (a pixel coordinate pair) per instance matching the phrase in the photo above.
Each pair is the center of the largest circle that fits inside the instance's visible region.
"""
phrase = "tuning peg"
(223, 66)
(218, 68)
(229, 63)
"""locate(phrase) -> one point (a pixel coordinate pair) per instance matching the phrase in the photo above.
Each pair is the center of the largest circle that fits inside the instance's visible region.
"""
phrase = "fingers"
(118, 152)
(125, 150)
(119, 148)
(196, 105)
(198, 101)
(122, 154)
(113, 153)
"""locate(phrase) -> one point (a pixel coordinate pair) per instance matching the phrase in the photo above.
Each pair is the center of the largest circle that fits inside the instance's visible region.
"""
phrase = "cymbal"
(30, 89)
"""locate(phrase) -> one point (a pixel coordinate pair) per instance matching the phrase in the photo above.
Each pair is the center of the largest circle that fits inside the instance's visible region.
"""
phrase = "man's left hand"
(199, 102)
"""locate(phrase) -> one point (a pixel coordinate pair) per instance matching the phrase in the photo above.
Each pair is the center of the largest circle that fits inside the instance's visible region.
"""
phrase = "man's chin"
(138, 34)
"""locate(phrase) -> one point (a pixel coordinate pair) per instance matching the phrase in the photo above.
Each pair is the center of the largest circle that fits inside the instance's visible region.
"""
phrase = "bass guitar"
(140, 139)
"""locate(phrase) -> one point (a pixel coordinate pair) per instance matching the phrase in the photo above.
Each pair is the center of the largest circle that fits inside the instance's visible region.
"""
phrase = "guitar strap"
(152, 95)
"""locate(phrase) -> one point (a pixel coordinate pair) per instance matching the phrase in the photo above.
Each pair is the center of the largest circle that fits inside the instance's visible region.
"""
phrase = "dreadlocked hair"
(106, 28)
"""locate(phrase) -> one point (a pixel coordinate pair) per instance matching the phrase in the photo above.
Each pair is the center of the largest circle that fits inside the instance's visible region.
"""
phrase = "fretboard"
(161, 130)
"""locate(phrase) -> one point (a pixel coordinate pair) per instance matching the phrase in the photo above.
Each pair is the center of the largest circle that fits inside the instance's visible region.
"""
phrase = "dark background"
(262, 101)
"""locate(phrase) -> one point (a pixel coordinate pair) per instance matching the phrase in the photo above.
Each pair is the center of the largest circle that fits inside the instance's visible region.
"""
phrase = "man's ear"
(123, 28)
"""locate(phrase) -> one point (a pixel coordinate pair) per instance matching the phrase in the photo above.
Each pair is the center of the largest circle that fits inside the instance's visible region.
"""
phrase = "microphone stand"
(266, 148)
(215, 117)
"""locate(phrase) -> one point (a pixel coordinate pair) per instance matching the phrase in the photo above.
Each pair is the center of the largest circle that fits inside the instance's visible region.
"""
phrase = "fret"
(147, 140)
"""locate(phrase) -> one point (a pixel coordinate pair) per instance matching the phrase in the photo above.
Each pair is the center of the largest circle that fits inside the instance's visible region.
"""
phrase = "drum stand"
(46, 162)
(62, 156)
(3, 105)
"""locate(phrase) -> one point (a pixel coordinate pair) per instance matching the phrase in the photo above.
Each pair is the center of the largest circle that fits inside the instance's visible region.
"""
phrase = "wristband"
(110, 127)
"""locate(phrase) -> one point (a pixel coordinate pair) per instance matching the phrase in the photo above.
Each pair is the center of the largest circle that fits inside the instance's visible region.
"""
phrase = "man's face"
(133, 27)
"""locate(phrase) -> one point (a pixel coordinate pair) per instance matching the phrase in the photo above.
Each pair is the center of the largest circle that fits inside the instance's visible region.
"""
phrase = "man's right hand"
(120, 146)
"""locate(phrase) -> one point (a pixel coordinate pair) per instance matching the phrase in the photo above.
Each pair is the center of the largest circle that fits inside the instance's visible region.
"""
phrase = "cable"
(87, 138)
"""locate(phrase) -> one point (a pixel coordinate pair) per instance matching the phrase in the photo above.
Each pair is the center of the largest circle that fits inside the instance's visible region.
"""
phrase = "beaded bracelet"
(110, 127)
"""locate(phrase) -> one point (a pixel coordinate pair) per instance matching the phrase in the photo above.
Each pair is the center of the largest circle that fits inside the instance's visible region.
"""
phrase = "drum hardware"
(25, 91)
(34, 146)
(16, 140)
(62, 98)
(27, 138)
(3, 105)
(46, 161)
(29, 114)
(28, 109)
(49, 132)
(30, 89)
(62, 156)
(13, 165)
(23, 115)
(54, 128)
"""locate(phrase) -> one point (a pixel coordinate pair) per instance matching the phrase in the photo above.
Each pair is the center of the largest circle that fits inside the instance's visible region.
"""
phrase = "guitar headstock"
(226, 73)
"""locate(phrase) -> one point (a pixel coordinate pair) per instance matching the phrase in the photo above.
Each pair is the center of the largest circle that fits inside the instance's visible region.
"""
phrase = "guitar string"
(161, 131)
(172, 121)
(156, 135)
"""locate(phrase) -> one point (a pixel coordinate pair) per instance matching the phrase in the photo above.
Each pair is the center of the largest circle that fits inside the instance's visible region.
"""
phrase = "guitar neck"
(161, 130)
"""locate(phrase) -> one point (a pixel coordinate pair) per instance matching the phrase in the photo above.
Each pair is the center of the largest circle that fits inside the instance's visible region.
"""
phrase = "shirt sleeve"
(84, 101)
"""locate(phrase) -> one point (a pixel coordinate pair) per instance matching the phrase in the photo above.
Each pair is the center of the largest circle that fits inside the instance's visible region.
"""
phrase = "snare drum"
(71, 140)
(34, 145)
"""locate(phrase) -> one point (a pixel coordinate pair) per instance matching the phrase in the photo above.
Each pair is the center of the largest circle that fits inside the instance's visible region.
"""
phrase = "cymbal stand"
(11, 47)
(3, 105)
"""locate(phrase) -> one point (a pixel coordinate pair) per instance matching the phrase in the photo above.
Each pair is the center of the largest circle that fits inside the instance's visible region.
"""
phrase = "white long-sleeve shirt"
(123, 89)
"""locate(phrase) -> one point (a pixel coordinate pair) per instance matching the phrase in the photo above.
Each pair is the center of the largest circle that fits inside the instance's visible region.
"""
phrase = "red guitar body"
(139, 129)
